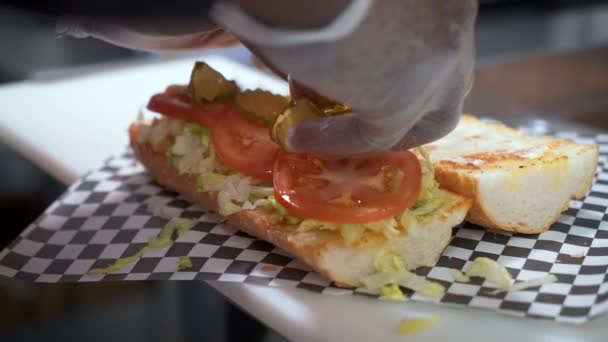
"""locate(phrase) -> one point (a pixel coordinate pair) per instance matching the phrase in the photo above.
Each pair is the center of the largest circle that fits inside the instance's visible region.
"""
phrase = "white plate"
(70, 126)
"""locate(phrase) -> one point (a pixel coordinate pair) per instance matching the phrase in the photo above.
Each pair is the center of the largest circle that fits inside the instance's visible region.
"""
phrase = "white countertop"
(70, 126)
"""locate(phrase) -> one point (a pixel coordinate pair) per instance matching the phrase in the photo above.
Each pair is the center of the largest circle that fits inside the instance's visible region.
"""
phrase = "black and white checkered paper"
(105, 216)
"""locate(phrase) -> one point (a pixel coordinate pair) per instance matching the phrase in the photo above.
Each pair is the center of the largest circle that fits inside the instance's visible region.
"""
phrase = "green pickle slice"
(274, 111)
(302, 110)
(327, 106)
(261, 105)
(207, 85)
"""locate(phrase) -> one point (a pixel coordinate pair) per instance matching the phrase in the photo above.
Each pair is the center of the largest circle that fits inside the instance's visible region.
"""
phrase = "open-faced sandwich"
(360, 221)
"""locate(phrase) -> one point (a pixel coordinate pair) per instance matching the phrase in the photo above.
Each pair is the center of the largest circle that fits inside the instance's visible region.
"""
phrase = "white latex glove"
(403, 66)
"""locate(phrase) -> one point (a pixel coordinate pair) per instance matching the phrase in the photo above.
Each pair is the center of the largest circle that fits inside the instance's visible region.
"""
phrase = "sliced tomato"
(347, 190)
(177, 105)
(177, 90)
(244, 145)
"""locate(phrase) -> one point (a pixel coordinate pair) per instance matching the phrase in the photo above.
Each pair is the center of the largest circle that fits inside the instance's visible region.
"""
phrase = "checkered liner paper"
(104, 216)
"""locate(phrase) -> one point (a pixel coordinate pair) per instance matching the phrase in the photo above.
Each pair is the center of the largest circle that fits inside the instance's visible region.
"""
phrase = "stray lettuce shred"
(184, 263)
(490, 270)
(120, 263)
(165, 237)
(416, 325)
(162, 240)
(460, 277)
(548, 279)
(392, 292)
(496, 273)
(390, 270)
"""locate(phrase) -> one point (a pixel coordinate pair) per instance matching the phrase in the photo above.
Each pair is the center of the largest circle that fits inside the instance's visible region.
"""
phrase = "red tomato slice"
(347, 190)
(177, 105)
(244, 145)
(177, 90)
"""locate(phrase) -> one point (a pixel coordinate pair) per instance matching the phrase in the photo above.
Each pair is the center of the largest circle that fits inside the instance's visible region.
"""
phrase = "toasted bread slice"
(324, 251)
(518, 183)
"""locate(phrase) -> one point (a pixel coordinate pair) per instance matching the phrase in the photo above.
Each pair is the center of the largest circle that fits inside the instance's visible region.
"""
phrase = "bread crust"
(325, 252)
(463, 171)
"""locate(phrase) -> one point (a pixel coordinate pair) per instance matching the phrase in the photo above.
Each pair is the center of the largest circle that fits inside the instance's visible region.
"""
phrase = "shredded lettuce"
(312, 224)
(262, 202)
(429, 184)
(459, 276)
(548, 279)
(162, 240)
(431, 199)
(279, 208)
(388, 262)
(120, 263)
(391, 270)
(231, 190)
(160, 130)
(416, 325)
(392, 292)
(165, 237)
(351, 233)
(420, 284)
(490, 270)
(231, 193)
(257, 192)
(407, 219)
(235, 192)
(192, 153)
(190, 150)
(210, 181)
(195, 129)
(428, 207)
(282, 211)
(406, 279)
(226, 204)
(389, 227)
(184, 263)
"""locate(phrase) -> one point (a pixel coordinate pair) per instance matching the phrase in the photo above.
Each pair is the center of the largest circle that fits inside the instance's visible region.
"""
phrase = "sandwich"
(358, 222)
(213, 144)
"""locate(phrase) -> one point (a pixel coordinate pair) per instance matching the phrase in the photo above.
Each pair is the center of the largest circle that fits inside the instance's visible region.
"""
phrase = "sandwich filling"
(231, 141)
(189, 148)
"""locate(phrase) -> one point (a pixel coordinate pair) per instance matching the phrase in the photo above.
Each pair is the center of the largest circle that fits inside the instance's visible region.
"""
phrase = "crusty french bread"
(518, 183)
(324, 251)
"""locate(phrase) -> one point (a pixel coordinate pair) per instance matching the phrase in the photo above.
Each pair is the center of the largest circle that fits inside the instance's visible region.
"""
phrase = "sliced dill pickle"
(206, 84)
(261, 105)
(302, 110)
(327, 106)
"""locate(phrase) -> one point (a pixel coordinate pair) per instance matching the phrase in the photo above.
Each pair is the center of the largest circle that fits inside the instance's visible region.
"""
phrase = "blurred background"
(537, 60)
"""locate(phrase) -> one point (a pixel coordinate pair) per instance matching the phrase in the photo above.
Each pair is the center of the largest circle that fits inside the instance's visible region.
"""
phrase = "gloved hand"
(403, 66)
